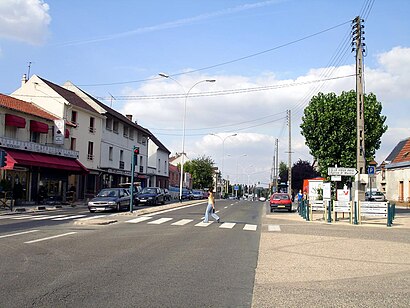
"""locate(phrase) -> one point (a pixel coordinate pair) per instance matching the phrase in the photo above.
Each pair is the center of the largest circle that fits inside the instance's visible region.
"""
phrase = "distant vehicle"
(280, 201)
(167, 194)
(151, 196)
(109, 199)
(197, 195)
(262, 199)
(186, 194)
(375, 196)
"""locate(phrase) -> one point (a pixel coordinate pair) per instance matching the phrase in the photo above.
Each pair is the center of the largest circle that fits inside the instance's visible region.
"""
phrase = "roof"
(158, 143)
(114, 113)
(25, 107)
(400, 156)
(69, 96)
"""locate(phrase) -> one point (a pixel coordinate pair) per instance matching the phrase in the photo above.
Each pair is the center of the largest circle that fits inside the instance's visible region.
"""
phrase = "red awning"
(66, 133)
(13, 120)
(38, 127)
(47, 161)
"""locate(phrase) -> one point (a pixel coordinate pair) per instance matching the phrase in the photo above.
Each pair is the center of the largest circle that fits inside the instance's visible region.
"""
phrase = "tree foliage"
(201, 170)
(300, 170)
(329, 127)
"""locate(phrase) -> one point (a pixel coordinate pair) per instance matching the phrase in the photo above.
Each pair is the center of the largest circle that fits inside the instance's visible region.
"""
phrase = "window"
(73, 144)
(11, 132)
(126, 129)
(92, 125)
(90, 152)
(108, 124)
(74, 116)
(165, 167)
(115, 127)
(159, 165)
(121, 155)
(131, 136)
(110, 149)
(35, 137)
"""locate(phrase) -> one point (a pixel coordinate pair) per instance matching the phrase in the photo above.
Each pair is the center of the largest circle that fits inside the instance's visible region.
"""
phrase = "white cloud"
(24, 20)
(258, 117)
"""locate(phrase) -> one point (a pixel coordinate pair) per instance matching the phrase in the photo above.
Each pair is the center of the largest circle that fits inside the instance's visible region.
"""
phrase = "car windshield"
(148, 190)
(108, 193)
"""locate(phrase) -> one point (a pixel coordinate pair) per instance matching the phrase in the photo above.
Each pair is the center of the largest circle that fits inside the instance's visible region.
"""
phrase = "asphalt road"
(152, 263)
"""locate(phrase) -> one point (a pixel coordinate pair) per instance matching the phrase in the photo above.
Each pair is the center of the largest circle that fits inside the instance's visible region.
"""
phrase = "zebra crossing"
(58, 217)
(182, 222)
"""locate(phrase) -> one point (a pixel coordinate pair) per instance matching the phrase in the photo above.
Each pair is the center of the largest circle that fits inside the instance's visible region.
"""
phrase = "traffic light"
(3, 158)
(135, 155)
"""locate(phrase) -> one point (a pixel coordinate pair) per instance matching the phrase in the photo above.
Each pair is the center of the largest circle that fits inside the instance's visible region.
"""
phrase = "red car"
(280, 201)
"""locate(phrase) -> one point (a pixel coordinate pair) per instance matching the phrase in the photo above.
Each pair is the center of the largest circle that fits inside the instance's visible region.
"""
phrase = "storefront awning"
(38, 127)
(46, 161)
(16, 121)
(66, 133)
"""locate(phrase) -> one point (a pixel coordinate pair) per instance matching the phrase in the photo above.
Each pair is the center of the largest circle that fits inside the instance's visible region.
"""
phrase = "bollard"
(389, 214)
(355, 213)
(329, 212)
(307, 210)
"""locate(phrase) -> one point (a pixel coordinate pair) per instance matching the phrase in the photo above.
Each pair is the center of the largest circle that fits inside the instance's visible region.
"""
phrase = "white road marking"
(69, 217)
(227, 225)
(249, 227)
(49, 238)
(203, 224)
(182, 222)
(178, 208)
(138, 219)
(225, 207)
(19, 233)
(92, 217)
(48, 217)
(159, 221)
(22, 217)
(273, 228)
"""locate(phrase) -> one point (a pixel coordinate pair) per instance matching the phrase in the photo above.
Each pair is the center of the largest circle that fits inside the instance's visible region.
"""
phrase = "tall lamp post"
(223, 156)
(183, 125)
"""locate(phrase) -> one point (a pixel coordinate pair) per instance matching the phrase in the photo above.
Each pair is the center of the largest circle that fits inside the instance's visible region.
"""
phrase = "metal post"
(329, 212)
(355, 212)
(132, 180)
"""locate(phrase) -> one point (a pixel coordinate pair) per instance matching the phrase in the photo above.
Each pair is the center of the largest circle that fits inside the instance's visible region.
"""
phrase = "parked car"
(197, 195)
(109, 199)
(375, 196)
(151, 196)
(136, 192)
(167, 194)
(186, 194)
(280, 201)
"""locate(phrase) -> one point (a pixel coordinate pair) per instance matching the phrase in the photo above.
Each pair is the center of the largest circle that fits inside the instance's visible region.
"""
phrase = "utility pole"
(277, 164)
(290, 156)
(360, 149)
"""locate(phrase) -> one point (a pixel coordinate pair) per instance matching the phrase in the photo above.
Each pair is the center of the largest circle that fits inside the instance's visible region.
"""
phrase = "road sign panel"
(371, 170)
(341, 171)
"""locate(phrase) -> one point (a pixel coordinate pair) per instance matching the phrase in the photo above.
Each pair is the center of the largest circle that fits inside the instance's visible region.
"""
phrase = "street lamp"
(183, 124)
(223, 156)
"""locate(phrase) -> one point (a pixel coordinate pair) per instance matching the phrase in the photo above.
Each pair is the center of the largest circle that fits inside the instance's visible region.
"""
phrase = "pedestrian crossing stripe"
(68, 217)
(273, 228)
(48, 217)
(249, 227)
(182, 222)
(203, 224)
(159, 221)
(138, 219)
(227, 225)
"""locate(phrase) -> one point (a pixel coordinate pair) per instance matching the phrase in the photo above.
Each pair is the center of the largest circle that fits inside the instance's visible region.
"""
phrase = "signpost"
(341, 171)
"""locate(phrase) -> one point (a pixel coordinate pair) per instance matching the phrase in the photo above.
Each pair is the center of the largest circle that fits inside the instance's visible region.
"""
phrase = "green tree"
(302, 170)
(283, 172)
(329, 127)
(201, 170)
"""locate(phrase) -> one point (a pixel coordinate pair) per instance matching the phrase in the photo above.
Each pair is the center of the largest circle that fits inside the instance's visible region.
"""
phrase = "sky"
(267, 57)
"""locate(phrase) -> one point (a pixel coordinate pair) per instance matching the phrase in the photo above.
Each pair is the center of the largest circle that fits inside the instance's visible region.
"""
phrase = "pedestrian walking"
(210, 208)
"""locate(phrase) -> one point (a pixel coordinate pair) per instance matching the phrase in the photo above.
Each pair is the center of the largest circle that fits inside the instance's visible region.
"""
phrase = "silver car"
(375, 196)
(109, 199)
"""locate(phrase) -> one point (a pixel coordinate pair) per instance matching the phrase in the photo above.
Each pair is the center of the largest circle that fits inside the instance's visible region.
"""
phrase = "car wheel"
(290, 209)
(163, 201)
(118, 207)
(271, 210)
(92, 211)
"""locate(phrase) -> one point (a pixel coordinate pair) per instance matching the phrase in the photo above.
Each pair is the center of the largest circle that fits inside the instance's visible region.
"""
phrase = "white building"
(158, 163)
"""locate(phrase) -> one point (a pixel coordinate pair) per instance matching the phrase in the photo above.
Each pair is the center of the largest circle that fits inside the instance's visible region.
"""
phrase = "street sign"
(370, 170)
(342, 171)
(336, 178)
(236, 187)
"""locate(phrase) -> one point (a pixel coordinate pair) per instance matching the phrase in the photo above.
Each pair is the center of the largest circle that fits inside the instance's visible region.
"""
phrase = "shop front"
(37, 178)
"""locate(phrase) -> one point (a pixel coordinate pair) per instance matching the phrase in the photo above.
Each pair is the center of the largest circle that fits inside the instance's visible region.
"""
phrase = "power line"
(219, 64)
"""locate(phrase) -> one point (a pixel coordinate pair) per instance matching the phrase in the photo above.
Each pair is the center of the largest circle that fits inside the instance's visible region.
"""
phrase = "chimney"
(129, 117)
(23, 79)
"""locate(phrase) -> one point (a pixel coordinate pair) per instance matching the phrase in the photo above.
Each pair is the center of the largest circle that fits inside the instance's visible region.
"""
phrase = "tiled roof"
(404, 153)
(69, 96)
(399, 156)
(24, 107)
